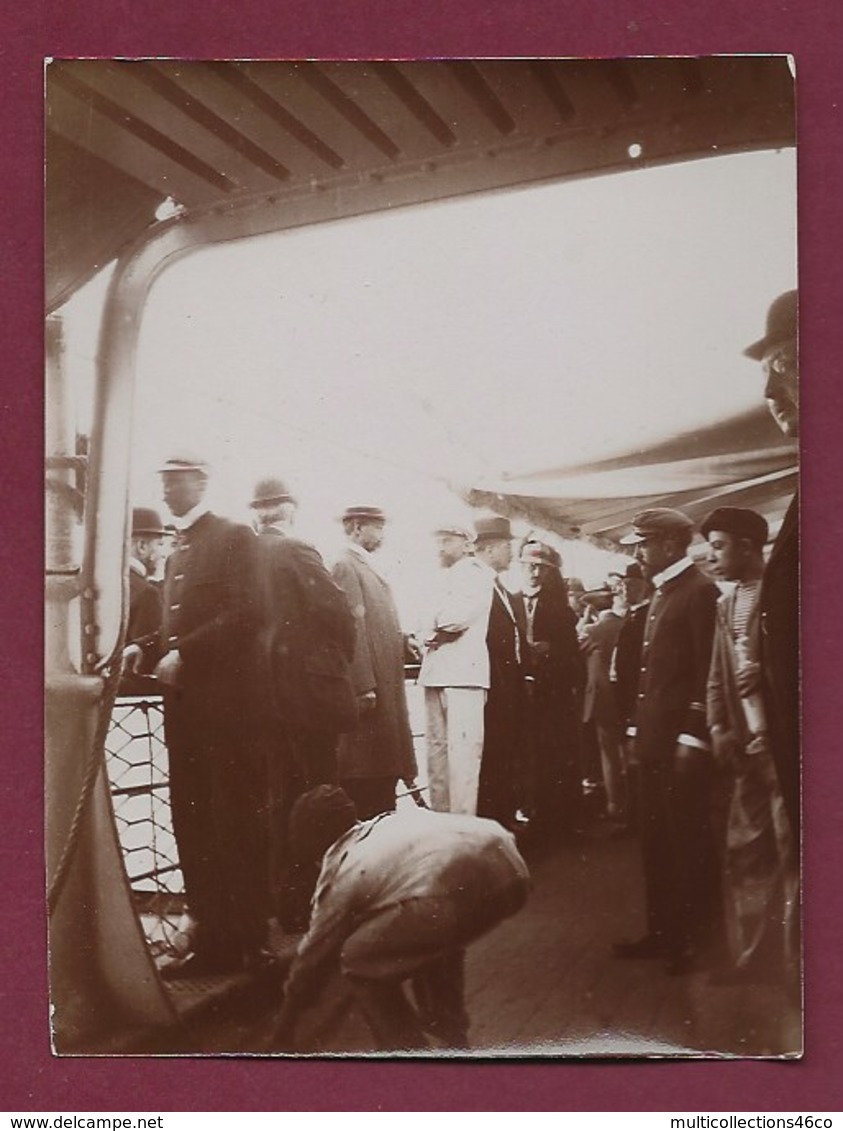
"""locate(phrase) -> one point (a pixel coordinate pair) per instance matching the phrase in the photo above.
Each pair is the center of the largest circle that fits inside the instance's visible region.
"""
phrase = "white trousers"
(454, 746)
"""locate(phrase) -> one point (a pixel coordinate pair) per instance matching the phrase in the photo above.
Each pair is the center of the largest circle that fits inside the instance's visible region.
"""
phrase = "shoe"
(647, 947)
(201, 965)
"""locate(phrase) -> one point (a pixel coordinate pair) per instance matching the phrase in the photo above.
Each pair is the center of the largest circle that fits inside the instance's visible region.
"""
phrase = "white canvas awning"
(740, 462)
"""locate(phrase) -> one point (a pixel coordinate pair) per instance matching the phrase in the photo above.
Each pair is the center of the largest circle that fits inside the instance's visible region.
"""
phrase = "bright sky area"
(379, 359)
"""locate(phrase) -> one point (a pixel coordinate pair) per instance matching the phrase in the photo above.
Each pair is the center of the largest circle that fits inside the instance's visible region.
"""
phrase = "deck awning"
(740, 462)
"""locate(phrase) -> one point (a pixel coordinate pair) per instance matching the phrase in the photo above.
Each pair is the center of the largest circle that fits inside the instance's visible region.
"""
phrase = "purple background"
(812, 30)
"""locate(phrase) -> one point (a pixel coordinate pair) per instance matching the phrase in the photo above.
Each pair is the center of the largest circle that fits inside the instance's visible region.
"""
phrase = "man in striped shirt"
(761, 878)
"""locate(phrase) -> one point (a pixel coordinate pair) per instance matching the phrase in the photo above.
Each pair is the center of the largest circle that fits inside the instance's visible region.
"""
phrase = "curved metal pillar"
(102, 978)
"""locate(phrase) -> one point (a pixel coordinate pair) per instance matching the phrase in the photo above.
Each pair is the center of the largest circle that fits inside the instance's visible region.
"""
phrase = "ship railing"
(137, 764)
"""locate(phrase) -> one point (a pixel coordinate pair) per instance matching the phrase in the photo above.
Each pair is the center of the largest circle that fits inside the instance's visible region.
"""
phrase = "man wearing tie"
(506, 639)
(555, 670)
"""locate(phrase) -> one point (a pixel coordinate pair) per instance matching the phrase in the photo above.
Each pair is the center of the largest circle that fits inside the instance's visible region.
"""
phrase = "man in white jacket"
(455, 673)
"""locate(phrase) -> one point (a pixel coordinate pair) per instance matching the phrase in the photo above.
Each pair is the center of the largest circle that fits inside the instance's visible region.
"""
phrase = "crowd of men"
(289, 739)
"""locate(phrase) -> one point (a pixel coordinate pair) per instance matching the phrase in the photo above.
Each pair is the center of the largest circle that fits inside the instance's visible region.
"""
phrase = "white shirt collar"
(137, 567)
(672, 571)
(185, 521)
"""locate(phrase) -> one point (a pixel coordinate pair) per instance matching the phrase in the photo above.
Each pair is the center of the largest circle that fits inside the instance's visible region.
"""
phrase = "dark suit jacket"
(309, 636)
(675, 659)
(556, 665)
(506, 668)
(146, 610)
(779, 613)
(212, 615)
(628, 662)
(599, 644)
(145, 607)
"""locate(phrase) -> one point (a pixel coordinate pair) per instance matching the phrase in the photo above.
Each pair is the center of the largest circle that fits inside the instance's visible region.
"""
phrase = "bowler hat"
(363, 514)
(739, 521)
(534, 552)
(269, 491)
(631, 572)
(492, 530)
(147, 521)
(184, 461)
(601, 598)
(657, 522)
(781, 326)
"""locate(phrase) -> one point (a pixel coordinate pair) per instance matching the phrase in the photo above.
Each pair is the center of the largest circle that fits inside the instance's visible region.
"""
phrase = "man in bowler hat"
(378, 752)
(308, 644)
(145, 600)
(506, 639)
(777, 675)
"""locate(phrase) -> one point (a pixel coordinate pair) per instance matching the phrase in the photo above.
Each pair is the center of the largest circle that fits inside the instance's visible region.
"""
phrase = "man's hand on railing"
(132, 656)
(168, 669)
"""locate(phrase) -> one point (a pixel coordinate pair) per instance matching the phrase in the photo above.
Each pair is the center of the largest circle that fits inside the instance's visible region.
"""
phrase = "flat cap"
(739, 521)
(270, 490)
(492, 530)
(656, 522)
(781, 326)
(363, 514)
(147, 521)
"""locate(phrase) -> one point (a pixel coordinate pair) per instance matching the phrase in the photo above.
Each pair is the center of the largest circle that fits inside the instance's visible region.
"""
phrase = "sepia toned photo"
(422, 564)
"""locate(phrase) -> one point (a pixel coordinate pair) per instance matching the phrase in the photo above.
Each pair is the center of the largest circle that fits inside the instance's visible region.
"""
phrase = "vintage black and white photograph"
(422, 596)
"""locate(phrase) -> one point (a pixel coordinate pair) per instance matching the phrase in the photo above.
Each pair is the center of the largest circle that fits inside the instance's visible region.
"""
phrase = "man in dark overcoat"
(310, 638)
(672, 747)
(555, 671)
(779, 600)
(379, 751)
(308, 643)
(209, 673)
(506, 638)
(624, 670)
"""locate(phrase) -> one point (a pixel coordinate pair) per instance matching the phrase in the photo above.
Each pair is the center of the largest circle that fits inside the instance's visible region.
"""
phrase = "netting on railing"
(138, 772)
(137, 764)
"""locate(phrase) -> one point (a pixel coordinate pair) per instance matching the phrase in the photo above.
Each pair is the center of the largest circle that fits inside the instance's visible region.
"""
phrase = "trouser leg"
(464, 725)
(439, 992)
(611, 760)
(437, 748)
(392, 1020)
